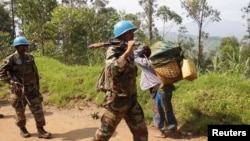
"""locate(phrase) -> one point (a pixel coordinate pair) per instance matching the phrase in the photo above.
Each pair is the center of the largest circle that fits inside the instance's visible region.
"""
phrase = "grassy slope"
(210, 99)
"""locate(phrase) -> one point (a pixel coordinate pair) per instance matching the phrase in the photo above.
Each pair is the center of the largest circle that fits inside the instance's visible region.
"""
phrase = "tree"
(100, 3)
(185, 42)
(202, 14)
(5, 48)
(74, 3)
(5, 20)
(167, 15)
(5, 32)
(231, 58)
(76, 28)
(149, 10)
(228, 45)
(246, 11)
(33, 16)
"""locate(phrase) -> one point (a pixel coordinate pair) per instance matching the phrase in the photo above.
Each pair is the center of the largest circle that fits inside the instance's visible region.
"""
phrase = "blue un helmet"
(20, 41)
(122, 27)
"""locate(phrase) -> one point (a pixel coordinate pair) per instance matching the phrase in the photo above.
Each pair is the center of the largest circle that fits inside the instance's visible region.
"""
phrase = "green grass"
(210, 99)
(64, 85)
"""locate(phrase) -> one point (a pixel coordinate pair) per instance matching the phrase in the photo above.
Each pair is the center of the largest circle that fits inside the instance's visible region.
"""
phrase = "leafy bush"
(213, 98)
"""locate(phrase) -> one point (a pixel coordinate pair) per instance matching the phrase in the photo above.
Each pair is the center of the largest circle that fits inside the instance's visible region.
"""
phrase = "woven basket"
(169, 73)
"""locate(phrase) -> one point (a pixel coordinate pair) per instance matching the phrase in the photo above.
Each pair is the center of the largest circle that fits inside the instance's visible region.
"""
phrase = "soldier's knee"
(109, 118)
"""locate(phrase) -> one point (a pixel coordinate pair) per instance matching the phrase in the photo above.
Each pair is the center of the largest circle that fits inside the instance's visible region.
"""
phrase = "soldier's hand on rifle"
(17, 86)
(130, 47)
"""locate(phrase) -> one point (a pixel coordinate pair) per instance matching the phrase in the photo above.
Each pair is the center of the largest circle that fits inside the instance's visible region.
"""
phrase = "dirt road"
(70, 125)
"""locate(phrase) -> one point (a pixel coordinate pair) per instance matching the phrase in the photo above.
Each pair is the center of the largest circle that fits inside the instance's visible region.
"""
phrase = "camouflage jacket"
(24, 68)
(119, 80)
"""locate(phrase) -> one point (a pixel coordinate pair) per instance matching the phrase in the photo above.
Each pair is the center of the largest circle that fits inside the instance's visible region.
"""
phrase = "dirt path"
(70, 125)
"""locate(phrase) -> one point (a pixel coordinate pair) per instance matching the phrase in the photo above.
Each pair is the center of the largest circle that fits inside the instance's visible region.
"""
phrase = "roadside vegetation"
(59, 34)
(213, 98)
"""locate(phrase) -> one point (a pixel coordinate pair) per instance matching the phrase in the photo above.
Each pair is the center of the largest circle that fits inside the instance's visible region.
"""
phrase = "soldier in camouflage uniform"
(120, 88)
(20, 71)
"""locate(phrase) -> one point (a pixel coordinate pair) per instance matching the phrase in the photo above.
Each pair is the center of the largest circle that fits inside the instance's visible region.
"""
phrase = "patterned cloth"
(121, 98)
(25, 70)
(164, 52)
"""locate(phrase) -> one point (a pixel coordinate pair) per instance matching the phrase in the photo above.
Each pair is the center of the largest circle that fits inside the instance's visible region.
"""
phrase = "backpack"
(101, 82)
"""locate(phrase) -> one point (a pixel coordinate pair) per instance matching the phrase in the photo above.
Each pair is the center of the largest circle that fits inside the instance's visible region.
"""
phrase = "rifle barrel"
(107, 44)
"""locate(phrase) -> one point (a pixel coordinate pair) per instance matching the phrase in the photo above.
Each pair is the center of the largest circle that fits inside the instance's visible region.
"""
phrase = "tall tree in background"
(76, 28)
(74, 3)
(186, 42)
(5, 20)
(202, 14)
(12, 3)
(167, 15)
(68, 26)
(246, 38)
(9, 6)
(33, 15)
(5, 32)
(246, 11)
(100, 3)
(149, 7)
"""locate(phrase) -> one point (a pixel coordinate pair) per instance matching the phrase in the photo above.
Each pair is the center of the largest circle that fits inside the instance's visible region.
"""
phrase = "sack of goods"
(165, 58)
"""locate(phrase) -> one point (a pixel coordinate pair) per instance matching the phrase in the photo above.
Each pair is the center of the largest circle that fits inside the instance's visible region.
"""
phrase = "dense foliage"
(59, 36)
(213, 98)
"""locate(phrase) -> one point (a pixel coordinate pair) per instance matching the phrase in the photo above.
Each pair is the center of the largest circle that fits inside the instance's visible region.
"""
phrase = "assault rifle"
(110, 42)
(19, 89)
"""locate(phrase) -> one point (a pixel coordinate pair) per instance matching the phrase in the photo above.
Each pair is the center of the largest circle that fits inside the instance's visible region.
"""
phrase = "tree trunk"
(200, 48)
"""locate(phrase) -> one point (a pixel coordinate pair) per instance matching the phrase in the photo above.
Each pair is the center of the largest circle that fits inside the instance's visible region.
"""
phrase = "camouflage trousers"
(117, 108)
(19, 103)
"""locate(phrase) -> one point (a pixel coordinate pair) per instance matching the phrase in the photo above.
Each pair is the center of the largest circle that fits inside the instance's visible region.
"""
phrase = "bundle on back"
(166, 58)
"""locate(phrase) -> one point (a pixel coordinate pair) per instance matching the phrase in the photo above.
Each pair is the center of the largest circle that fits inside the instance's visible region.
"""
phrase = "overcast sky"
(229, 9)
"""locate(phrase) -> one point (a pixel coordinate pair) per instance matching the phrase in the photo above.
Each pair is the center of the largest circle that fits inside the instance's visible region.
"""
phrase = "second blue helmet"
(20, 41)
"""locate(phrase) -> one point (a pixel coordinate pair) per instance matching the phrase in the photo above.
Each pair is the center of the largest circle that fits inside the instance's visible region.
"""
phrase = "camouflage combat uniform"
(121, 98)
(25, 69)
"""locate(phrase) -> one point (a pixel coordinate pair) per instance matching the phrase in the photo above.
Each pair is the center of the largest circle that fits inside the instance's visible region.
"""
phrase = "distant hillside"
(216, 30)
(224, 28)
(210, 44)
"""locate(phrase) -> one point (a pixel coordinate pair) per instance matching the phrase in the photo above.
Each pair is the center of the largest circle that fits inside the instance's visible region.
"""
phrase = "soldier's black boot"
(24, 132)
(42, 133)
